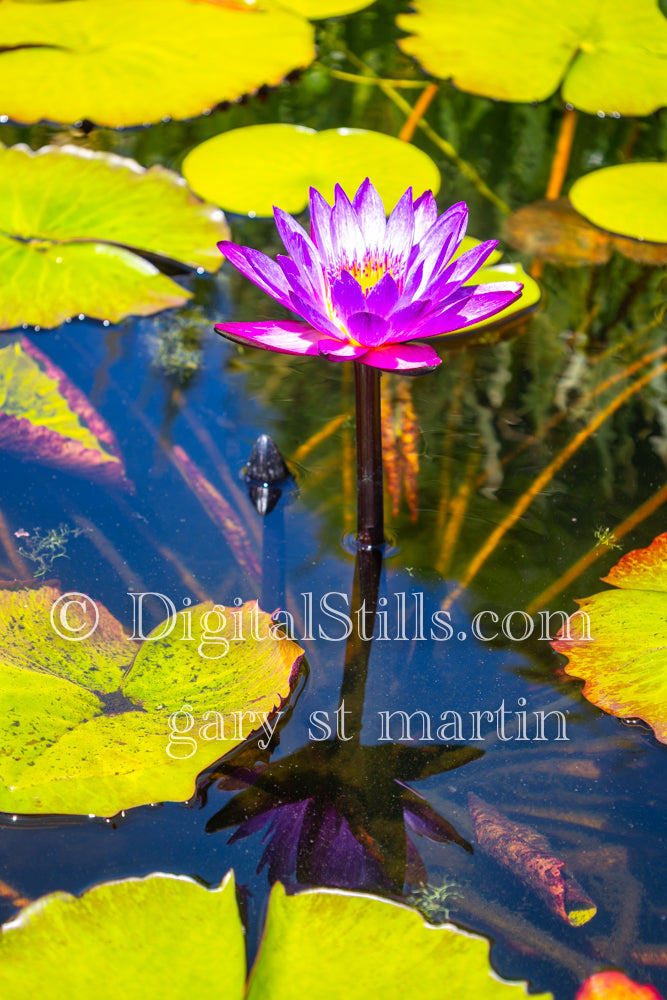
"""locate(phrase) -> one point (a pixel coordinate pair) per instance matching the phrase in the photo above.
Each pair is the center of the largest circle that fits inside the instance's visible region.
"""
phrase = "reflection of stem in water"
(367, 573)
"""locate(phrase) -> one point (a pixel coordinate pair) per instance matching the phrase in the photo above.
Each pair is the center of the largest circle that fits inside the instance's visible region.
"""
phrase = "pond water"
(476, 434)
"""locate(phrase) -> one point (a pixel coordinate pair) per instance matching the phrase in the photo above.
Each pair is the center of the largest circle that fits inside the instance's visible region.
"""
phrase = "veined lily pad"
(128, 62)
(74, 224)
(64, 946)
(231, 169)
(45, 418)
(606, 57)
(88, 724)
(629, 199)
(624, 664)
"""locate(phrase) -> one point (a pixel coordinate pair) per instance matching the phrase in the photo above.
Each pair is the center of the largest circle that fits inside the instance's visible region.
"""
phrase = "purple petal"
(383, 297)
(284, 336)
(259, 268)
(407, 358)
(320, 226)
(478, 303)
(293, 234)
(370, 211)
(346, 296)
(302, 251)
(315, 316)
(346, 236)
(426, 212)
(336, 350)
(437, 247)
(461, 269)
(400, 230)
(367, 328)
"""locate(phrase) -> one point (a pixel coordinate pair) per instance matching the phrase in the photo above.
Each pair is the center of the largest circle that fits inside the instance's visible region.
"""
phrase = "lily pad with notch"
(77, 227)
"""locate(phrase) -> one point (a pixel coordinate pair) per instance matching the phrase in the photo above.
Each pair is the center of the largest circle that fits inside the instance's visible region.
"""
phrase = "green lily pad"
(74, 225)
(609, 58)
(143, 936)
(231, 169)
(88, 724)
(130, 62)
(45, 418)
(629, 199)
(338, 944)
(624, 664)
(320, 944)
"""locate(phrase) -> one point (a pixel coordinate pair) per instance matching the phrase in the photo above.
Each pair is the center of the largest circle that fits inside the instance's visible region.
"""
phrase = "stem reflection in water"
(337, 812)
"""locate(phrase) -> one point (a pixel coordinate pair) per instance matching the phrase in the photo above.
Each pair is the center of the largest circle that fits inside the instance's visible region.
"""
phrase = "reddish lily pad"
(131, 62)
(44, 418)
(91, 724)
(624, 663)
(555, 232)
(612, 985)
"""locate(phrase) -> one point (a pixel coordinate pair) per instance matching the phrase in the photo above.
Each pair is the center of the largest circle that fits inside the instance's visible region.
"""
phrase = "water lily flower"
(368, 288)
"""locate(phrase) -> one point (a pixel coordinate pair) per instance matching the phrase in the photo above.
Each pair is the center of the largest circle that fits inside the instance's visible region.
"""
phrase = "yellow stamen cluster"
(369, 271)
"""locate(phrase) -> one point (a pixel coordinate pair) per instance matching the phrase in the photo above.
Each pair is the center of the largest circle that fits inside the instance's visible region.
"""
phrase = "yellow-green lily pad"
(130, 62)
(321, 944)
(629, 199)
(318, 10)
(231, 169)
(141, 937)
(90, 724)
(621, 652)
(45, 418)
(605, 57)
(75, 225)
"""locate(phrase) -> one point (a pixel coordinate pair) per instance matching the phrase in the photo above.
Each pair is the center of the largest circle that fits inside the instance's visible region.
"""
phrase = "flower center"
(369, 271)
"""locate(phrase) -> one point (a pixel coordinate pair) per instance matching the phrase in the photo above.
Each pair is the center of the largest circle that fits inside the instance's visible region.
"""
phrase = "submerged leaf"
(528, 855)
(87, 726)
(622, 656)
(75, 225)
(131, 62)
(555, 232)
(230, 169)
(45, 418)
(608, 58)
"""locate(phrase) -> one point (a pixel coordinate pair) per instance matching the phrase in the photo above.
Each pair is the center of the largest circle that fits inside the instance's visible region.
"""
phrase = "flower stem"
(370, 514)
